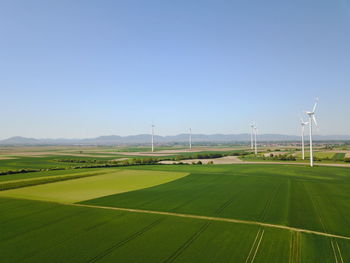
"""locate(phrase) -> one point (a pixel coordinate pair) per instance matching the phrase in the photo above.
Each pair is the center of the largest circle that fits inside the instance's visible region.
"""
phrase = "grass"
(93, 185)
(339, 157)
(291, 195)
(33, 231)
(51, 161)
(13, 184)
(21, 176)
(334, 156)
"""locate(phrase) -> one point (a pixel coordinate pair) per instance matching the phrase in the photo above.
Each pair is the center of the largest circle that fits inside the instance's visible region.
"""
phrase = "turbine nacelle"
(303, 123)
(311, 114)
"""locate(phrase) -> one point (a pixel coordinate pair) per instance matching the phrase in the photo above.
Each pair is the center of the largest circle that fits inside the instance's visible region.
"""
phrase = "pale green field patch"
(77, 190)
(321, 155)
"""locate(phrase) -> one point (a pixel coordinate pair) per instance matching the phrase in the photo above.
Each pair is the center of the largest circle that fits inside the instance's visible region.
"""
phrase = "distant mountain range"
(180, 138)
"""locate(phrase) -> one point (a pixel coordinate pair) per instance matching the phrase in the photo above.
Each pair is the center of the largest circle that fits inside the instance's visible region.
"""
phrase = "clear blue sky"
(78, 69)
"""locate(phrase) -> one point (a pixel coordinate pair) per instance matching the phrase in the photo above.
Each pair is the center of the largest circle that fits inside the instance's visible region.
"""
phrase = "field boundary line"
(335, 254)
(220, 219)
(257, 248)
(251, 249)
(341, 257)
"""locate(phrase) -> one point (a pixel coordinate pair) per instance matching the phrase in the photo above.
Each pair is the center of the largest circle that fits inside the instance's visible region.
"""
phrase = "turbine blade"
(315, 106)
(314, 119)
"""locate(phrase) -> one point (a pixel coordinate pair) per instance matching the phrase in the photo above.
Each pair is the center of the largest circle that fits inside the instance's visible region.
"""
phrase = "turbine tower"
(302, 123)
(312, 118)
(152, 137)
(190, 138)
(255, 135)
(251, 136)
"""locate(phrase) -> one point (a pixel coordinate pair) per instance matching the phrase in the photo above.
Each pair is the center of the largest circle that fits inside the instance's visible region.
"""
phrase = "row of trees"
(280, 157)
(206, 156)
(88, 164)
(79, 161)
(29, 170)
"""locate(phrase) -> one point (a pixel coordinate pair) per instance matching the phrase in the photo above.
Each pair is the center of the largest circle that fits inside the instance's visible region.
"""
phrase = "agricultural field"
(295, 155)
(97, 184)
(179, 213)
(48, 157)
(324, 155)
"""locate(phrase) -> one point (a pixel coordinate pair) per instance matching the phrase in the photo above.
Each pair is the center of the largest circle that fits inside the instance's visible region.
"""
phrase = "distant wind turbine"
(302, 123)
(251, 136)
(312, 118)
(152, 137)
(255, 135)
(190, 138)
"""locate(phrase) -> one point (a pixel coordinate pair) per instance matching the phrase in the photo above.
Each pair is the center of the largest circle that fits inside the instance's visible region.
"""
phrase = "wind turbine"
(312, 118)
(303, 123)
(152, 137)
(190, 138)
(251, 136)
(255, 135)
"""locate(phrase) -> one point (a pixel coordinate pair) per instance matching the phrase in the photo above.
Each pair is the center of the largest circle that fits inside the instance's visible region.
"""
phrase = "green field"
(324, 155)
(213, 213)
(291, 195)
(25, 162)
(102, 184)
(339, 157)
(36, 175)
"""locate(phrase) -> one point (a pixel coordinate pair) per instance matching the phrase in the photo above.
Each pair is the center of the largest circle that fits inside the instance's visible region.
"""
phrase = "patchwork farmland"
(175, 131)
(179, 213)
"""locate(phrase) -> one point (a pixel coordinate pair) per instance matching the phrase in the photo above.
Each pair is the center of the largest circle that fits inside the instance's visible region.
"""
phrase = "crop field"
(47, 157)
(333, 156)
(339, 156)
(319, 154)
(180, 213)
(99, 184)
(35, 175)
(47, 161)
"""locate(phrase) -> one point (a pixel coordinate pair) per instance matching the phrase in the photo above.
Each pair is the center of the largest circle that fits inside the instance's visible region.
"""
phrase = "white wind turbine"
(251, 136)
(255, 135)
(303, 124)
(312, 118)
(152, 137)
(190, 138)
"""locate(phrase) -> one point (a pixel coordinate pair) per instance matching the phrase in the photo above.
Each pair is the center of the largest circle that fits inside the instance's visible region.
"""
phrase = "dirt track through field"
(220, 219)
(7, 158)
